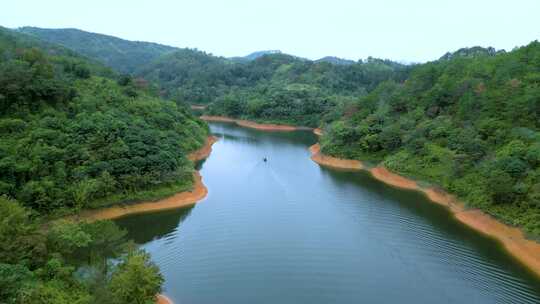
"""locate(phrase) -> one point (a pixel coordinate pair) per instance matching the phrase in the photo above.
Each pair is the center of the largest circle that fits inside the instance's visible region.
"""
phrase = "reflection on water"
(289, 231)
(144, 228)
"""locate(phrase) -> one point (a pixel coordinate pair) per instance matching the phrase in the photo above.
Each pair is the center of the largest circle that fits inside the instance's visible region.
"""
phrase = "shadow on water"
(143, 228)
(233, 132)
(417, 204)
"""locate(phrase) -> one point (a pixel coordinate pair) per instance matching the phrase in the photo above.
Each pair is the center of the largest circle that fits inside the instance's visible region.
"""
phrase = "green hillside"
(122, 55)
(468, 122)
(75, 135)
(71, 138)
(285, 89)
(266, 85)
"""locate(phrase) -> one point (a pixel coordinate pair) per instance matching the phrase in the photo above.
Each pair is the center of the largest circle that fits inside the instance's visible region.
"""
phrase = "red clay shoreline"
(512, 238)
(197, 107)
(254, 125)
(318, 131)
(178, 200)
(163, 299)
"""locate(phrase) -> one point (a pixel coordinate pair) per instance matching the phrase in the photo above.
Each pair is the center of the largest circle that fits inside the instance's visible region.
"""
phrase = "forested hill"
(285, 89)
(273, 87)
(123, 55)
(192, 76)
(335, 60)
(255, 55)
(75, 135)
(468, 122)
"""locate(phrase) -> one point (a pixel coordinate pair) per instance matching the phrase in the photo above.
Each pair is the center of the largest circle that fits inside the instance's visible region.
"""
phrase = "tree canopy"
(73, 138)
(468, 122)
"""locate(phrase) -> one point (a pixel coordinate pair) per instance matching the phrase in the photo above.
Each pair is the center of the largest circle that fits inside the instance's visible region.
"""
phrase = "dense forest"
(74, 135)
(271, 87)
(122, 55)
(468, 122)
(285, 89)
(265, 85)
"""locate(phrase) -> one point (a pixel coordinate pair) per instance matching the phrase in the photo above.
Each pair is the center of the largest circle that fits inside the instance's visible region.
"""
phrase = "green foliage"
(266, 86)
(13, 278)
(468, 122)
(67, 237)
(72, 264)
(19, 240)
(136, 280)
(122, 55)
(70, 139)
(289, 90)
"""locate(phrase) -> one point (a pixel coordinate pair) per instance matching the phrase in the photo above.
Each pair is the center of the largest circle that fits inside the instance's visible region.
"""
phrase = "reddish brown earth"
(162, 299)
(204, 151)
(197, 107)
(512, 238)
(333, 162)
(252, 124)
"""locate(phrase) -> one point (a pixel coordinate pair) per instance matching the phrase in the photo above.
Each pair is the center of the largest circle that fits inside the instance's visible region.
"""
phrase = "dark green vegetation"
(268, 86)
(271, 88)
(286, 89)
(190, 76)
(72, 139)
(69, 262)
(335, 60)
(74, 135)
(122, 55)
(468, 122)
(255, 55)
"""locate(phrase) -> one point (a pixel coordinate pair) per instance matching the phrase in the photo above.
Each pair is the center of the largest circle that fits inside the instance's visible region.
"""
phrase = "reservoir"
(289, 231)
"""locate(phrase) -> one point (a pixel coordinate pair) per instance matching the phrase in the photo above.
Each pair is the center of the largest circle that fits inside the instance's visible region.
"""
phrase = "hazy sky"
(411, 30)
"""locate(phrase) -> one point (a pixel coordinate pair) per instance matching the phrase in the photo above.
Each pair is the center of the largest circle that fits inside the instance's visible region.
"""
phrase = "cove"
(290, 231)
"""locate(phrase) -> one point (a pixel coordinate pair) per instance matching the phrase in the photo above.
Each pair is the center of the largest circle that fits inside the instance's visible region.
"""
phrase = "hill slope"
(335, 60)
(255, 55)
(122, 55)
(192, 76)
(72, 136)
(469, 123)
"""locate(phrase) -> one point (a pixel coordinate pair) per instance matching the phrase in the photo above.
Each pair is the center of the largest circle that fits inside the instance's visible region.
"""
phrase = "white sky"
(410, 30)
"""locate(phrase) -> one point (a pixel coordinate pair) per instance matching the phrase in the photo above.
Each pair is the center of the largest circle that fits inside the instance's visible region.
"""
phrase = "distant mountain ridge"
(472, 52)
(122, 55)
(335, 60)
(255, 55)
(258, 54)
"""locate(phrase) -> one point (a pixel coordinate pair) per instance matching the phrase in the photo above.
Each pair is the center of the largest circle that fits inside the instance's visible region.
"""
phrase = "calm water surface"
(289, 231)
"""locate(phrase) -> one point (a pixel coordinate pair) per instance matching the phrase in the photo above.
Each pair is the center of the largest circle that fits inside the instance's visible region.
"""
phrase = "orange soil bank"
(197, 107)
(162, 299)
(382, 174)
(253, 125)
(513, 240)
(178, 200)
(204, 151)
(333, 162)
